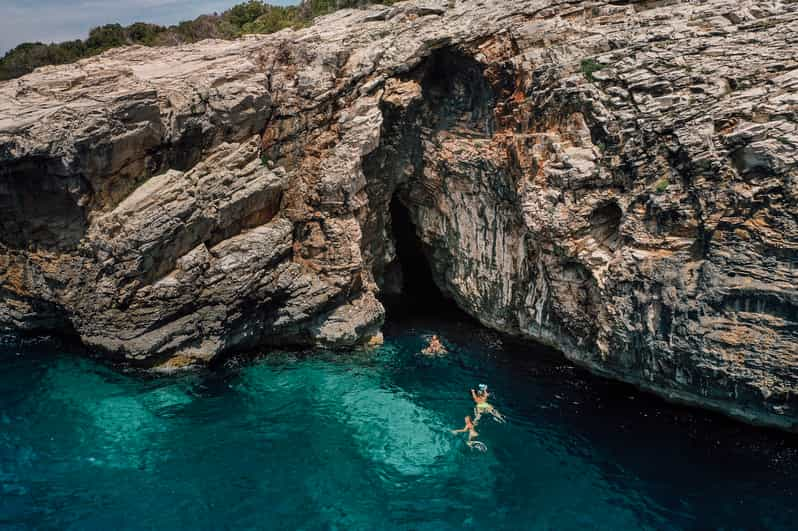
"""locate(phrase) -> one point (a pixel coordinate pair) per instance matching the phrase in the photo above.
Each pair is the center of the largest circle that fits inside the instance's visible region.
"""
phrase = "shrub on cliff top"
(322, 7)
(253, 16)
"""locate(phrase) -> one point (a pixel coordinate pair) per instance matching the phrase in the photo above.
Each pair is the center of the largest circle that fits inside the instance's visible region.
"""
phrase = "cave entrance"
(458, 96)
(417, 291)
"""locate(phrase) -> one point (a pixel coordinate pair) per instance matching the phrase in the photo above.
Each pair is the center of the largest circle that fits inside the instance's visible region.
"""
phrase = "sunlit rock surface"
(619, 181)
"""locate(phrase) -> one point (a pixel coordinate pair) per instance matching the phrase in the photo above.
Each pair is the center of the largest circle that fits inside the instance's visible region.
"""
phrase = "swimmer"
(434, 347)
(472, 435)
(482, 406)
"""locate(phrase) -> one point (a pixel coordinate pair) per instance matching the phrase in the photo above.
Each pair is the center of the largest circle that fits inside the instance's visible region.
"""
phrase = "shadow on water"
(690, 468)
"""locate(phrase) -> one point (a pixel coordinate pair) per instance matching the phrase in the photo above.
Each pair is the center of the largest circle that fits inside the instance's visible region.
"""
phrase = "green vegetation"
(590, 67)
(253, 16)
(661, 185)
(323, 7)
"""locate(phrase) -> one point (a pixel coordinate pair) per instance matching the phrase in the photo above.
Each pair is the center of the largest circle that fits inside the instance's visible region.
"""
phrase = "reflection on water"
(363, 441)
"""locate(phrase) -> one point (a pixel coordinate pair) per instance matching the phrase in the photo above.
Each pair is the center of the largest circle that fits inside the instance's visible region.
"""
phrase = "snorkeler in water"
(482, 406)
(469, 427)
(434, 347)
(472, 435)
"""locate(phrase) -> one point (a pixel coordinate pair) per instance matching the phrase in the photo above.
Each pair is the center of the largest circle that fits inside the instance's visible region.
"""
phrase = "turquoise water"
(362, 441)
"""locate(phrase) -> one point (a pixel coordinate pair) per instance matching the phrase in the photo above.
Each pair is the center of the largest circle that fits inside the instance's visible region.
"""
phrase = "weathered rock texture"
(619, 181)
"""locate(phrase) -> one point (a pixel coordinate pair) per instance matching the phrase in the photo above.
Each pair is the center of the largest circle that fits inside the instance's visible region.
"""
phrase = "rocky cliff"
(616, 179)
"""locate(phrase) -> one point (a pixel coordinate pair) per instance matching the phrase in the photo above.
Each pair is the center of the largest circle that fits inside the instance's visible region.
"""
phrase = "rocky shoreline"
(618, 182)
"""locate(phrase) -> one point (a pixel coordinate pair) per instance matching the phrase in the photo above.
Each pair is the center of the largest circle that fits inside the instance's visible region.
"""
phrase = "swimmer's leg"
(498, 416)
(477, 415)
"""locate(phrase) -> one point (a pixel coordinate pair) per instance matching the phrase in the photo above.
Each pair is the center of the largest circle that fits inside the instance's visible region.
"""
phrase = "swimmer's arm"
(474, 395)
(460, 431)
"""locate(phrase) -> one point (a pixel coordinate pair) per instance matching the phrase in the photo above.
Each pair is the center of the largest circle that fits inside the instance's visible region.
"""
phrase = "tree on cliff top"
(253, 16)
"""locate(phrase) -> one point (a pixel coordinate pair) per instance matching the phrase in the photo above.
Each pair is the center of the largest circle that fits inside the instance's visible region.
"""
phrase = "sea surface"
(362, 440)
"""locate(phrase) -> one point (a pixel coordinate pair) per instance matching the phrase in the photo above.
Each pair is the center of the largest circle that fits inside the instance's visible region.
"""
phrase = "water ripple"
(328, 441)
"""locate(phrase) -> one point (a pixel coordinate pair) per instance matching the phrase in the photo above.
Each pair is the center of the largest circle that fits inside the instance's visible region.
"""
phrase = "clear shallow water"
(292, 441)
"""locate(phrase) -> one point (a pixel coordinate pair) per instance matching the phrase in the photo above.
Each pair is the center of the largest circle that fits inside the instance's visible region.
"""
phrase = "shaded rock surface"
(618, 181)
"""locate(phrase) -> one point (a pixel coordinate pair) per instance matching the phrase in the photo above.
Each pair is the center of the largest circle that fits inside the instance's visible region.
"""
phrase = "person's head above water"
(482, 388)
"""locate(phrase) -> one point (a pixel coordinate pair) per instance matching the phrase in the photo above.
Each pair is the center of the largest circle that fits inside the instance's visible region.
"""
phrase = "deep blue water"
(362, 441)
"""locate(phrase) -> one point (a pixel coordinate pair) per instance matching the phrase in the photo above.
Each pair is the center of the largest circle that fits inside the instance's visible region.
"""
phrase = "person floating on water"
(472, 435)
(482, 406)
(434, 347)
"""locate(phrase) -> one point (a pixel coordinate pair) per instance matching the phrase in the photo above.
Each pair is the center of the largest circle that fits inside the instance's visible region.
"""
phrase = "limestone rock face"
(618, 181)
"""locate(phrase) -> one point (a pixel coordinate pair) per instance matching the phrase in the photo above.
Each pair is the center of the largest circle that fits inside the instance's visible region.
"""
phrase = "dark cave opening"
(457, 94)
(605, 223)
(457, 99)
(417, 289)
